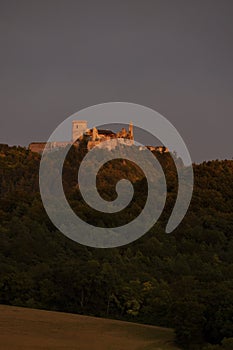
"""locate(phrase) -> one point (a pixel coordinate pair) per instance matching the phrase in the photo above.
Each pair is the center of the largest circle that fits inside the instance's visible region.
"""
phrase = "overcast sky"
(174, 56)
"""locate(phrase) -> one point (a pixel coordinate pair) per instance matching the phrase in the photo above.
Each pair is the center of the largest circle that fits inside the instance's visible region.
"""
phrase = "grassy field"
(32, 329)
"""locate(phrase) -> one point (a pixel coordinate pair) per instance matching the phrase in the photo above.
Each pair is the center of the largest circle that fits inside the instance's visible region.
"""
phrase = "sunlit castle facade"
(91, 137)
(96, 137)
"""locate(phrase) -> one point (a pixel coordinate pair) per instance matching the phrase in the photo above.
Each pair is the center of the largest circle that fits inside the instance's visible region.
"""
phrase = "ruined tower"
(78, 128)
(131, 136)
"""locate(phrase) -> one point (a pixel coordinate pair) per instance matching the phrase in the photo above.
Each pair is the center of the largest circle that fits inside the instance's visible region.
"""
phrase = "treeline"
(182, 280)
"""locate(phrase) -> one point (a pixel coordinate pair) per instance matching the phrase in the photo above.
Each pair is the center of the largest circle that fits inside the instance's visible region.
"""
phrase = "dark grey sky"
(176, 57)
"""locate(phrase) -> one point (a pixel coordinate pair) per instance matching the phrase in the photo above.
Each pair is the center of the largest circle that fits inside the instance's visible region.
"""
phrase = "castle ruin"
(95, 137)
(92, 137)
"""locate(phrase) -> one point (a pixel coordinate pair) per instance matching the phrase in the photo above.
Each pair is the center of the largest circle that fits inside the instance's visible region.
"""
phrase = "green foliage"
(182, 280)
(227, 344)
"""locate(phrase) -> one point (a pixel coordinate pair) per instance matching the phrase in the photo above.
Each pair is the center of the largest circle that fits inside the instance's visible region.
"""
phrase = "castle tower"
(94, 134)
(78, 128)
(131, 131)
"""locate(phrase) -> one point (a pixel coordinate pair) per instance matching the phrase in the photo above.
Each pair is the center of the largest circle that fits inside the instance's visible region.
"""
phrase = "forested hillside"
(182, 280)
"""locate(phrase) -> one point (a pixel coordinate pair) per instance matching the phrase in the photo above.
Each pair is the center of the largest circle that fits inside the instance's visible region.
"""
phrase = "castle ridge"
(81, 134)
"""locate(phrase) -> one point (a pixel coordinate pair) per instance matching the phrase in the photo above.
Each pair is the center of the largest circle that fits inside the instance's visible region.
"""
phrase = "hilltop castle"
(91, 137)
(95, 137)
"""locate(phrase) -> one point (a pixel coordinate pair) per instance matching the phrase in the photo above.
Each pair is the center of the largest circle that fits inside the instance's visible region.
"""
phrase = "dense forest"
(182, 280)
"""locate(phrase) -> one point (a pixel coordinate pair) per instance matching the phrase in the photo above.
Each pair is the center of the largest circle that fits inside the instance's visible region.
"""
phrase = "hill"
(24, 329)
(182, 280)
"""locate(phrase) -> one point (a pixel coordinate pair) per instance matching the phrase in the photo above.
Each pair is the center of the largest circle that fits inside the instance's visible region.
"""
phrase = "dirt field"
(26, 329)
